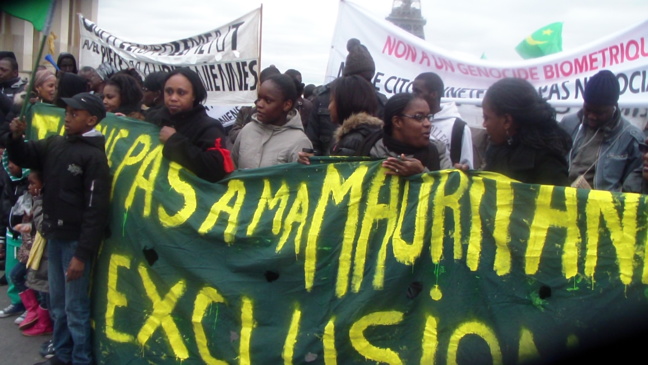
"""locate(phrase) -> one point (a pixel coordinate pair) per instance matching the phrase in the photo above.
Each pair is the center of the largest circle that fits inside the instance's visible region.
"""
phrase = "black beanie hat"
(7, 54)
(358, 60)
(602, 89)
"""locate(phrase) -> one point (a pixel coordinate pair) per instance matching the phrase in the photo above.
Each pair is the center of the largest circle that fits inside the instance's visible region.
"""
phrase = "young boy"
(76, 196)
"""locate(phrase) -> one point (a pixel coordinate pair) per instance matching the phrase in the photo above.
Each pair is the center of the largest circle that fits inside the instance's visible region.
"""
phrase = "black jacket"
(320, 128)
(12, 189)
(352, 133)
(154, 113)
(12, 87)
(527, 164)
(194, 143)
(76, 189)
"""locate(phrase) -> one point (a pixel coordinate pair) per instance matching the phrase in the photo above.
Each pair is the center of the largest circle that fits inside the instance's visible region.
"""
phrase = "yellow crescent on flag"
(542, 42)
(533, 42)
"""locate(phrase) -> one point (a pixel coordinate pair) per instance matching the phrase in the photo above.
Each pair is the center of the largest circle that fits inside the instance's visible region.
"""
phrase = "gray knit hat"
(602, 89)
(358, 60)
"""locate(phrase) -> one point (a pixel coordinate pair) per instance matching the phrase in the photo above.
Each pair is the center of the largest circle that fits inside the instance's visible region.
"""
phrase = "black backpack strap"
(369, 141)
(455, 140)
(434, 162)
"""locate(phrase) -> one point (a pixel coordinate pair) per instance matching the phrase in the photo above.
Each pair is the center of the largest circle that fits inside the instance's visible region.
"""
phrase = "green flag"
(542, 42)
(37, 12)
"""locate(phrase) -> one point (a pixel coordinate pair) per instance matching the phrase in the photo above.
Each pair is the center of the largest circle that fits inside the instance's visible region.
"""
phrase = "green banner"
(338, 263)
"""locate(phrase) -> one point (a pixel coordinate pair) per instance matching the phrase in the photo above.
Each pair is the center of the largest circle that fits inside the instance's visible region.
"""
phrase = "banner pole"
(45, 31)
(32, 77)
(260, 40)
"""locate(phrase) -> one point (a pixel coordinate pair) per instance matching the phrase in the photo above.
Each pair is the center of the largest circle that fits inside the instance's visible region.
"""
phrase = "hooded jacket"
(12, 87)
(76, 189)
(442, 125)
(13, 188)
(260, 145)
(64, 55)
(320, 128)
(353, 131)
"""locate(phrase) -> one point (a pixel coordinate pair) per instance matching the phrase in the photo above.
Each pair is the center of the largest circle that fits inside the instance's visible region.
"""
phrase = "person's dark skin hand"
(165, 133)
(403, 166)
(462, 166)
(17, 128)
(75, 269)
(304, 157)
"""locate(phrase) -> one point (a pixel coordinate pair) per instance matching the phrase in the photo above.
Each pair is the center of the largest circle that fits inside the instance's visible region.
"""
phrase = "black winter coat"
(320, 128)
(194, 145)
(527, 164)
(352, 133)
(12, 189)
(76, 189)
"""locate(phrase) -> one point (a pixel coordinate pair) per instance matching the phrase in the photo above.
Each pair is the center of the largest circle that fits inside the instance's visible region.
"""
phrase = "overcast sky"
(298, 33)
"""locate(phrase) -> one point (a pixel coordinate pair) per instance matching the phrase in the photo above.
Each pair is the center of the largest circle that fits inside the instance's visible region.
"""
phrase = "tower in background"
(407, 15)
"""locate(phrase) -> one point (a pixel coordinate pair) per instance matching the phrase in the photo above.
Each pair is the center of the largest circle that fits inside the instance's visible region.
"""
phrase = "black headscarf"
(64, 55)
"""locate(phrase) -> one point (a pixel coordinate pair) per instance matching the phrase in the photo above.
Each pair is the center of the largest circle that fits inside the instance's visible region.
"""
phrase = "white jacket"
(442, 123)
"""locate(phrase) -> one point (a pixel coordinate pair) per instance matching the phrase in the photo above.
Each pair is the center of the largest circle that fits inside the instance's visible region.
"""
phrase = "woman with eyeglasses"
(405, 139)
(526, 142)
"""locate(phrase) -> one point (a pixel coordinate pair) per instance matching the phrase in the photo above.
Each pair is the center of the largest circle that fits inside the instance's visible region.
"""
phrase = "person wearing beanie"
(358, 61)
(606, 146)
(9, 54)
(319, 128)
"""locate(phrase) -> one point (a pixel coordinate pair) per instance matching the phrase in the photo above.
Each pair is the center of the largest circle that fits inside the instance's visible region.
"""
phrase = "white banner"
(226, 58)
(560, 78)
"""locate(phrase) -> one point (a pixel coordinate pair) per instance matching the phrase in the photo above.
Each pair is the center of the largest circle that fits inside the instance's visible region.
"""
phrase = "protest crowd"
(50, 186)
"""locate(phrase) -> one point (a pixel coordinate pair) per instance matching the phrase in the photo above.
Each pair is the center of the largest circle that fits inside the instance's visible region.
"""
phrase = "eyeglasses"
(417, 117)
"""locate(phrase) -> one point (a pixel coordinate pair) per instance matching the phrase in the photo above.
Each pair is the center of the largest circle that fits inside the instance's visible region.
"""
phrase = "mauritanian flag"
(37, 12)
(542, 42)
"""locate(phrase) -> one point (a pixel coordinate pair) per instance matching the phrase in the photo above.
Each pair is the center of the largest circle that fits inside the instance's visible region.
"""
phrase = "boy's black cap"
(89, 102)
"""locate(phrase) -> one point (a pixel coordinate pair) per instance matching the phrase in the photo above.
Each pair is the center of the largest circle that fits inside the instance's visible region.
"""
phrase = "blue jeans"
(19, 277)
(69, 304)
